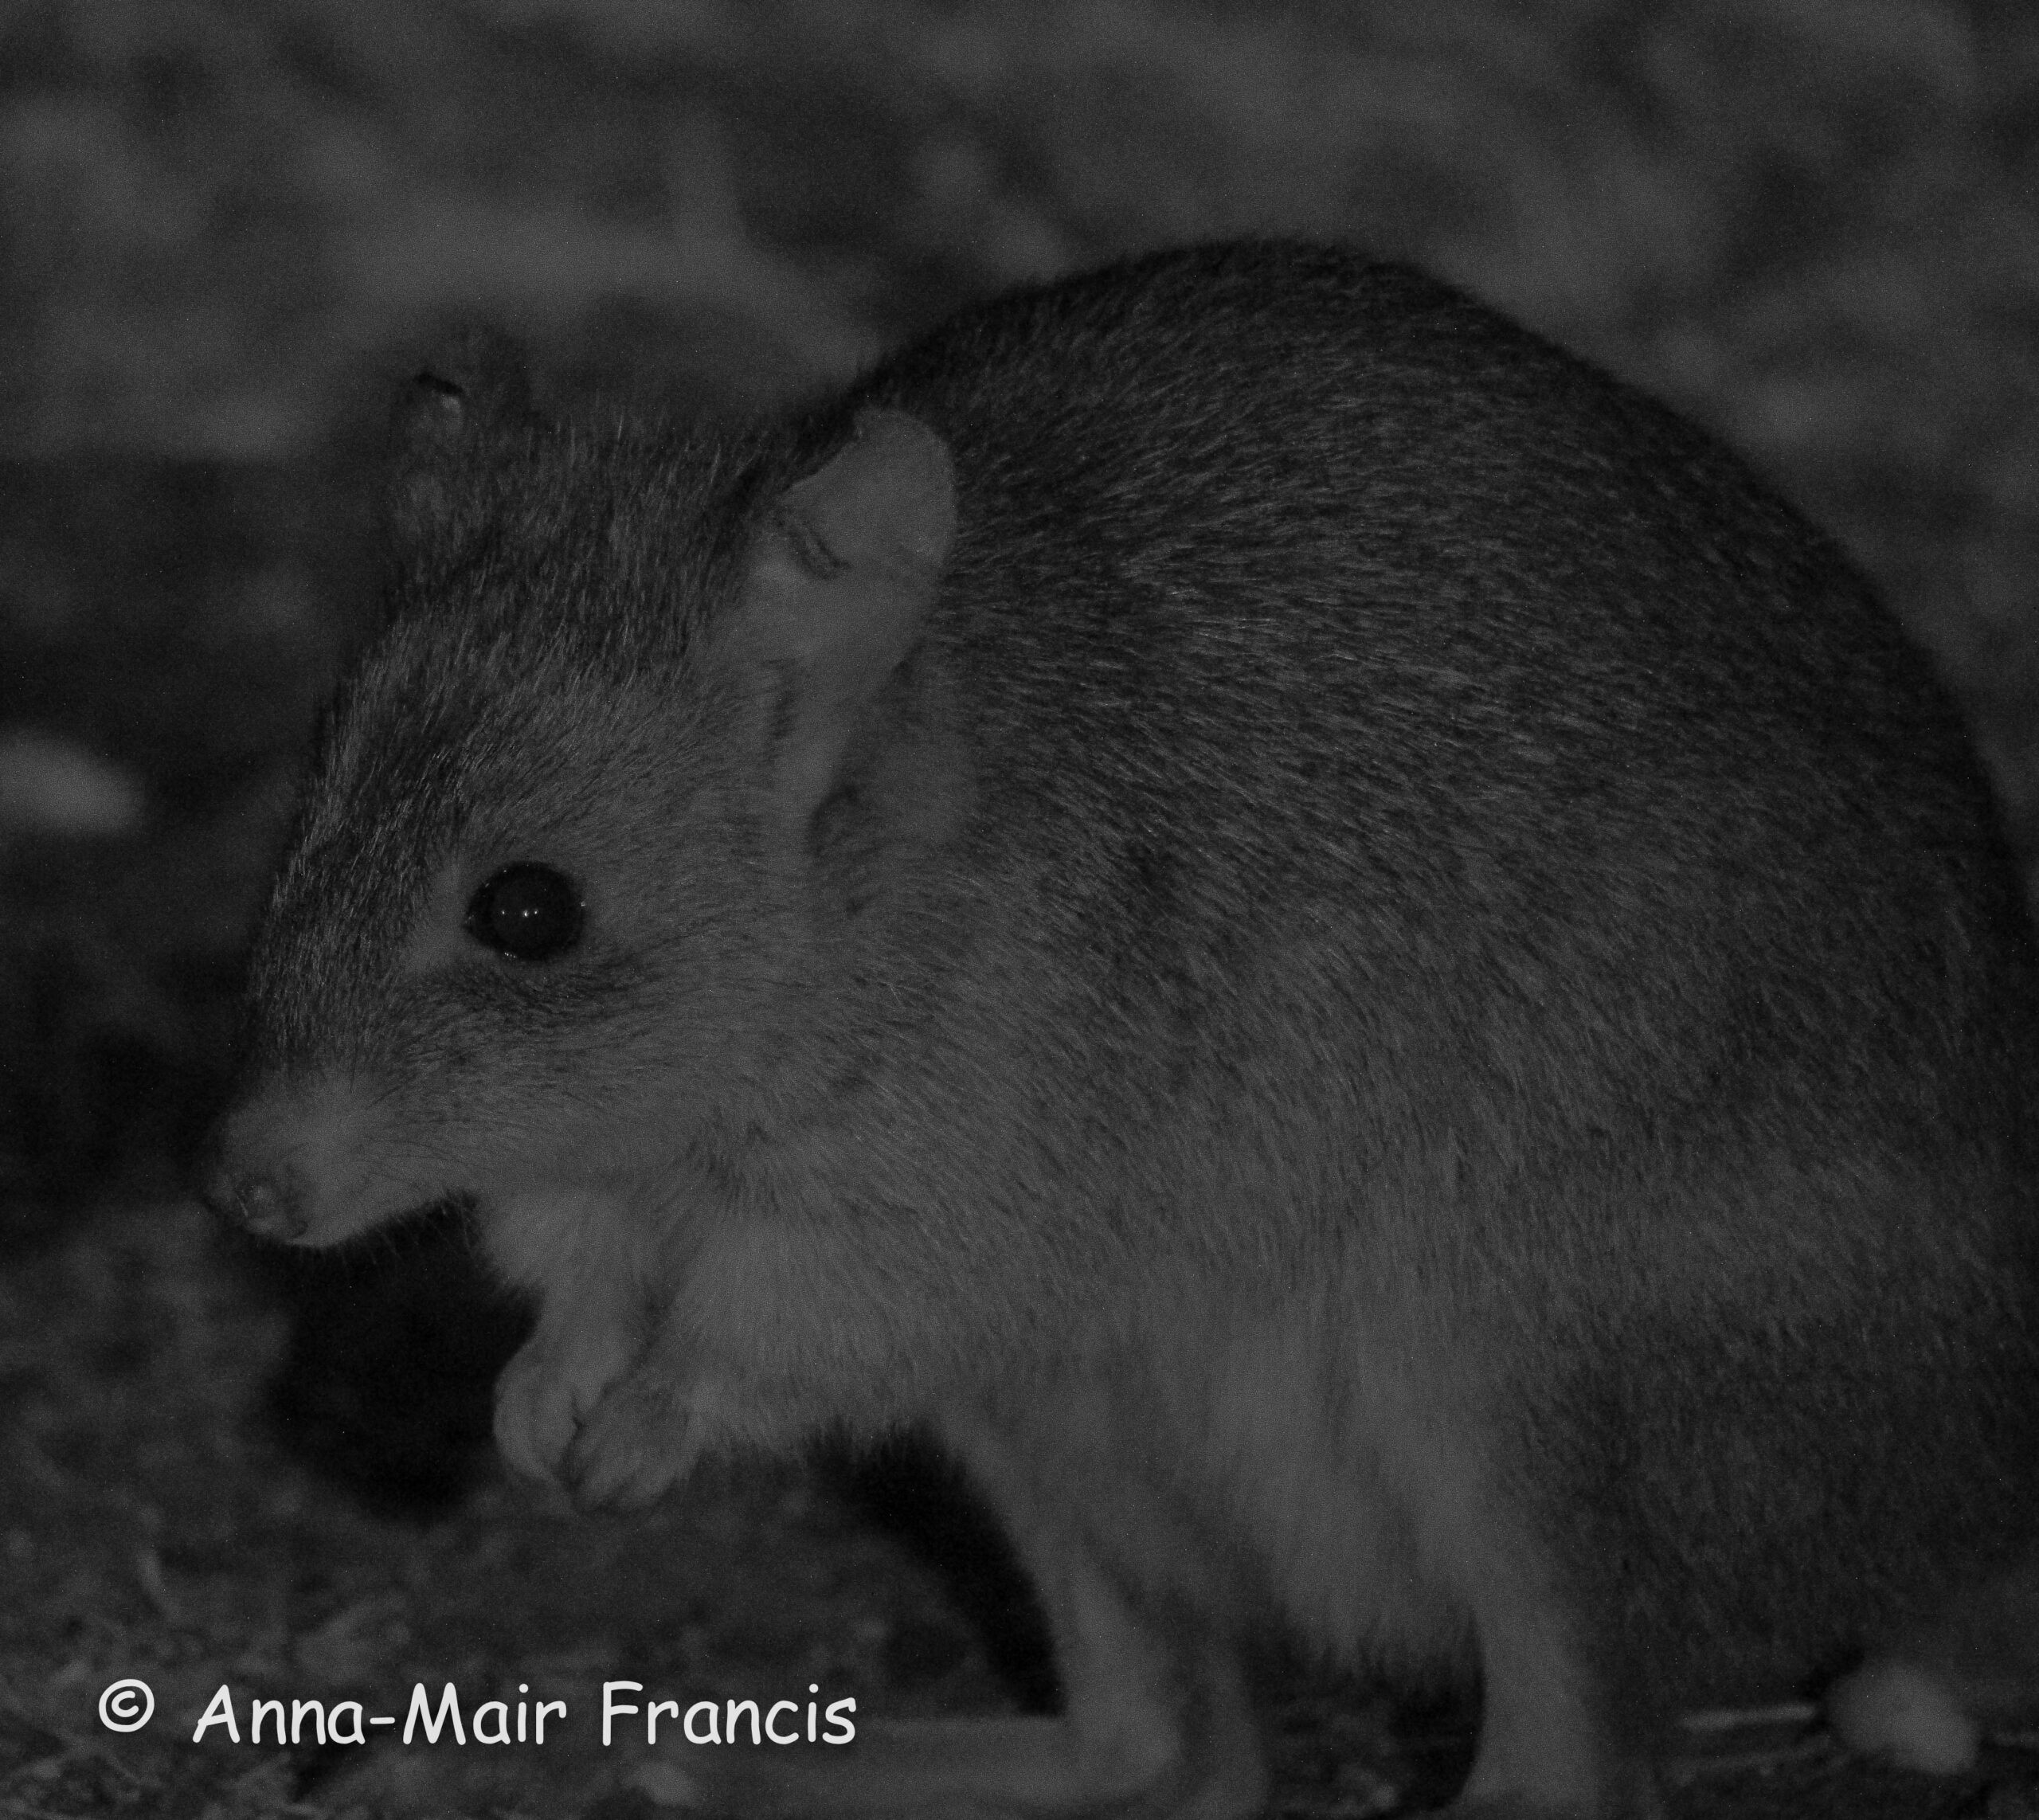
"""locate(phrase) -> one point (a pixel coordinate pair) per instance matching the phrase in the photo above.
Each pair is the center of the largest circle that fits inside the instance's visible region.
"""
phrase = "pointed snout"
(251, 1175)
(266, 1205)
(294, 1160)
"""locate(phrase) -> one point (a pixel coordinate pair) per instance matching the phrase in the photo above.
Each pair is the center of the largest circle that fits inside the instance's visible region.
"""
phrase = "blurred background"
(227, 230)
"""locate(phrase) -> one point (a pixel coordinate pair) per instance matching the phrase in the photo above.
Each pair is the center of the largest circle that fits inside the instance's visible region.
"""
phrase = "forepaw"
(640, 1440)
(542, 1400)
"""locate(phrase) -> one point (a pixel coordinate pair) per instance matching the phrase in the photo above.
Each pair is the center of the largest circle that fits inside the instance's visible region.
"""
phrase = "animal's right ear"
(840, 584)
(473, 392)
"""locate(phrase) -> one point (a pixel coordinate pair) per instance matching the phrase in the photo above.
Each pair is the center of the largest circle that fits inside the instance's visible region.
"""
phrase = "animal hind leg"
(1156, 1720)
(1544, 1749)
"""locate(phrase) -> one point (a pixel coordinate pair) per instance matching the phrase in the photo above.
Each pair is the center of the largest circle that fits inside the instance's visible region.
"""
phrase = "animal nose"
(259, 1203)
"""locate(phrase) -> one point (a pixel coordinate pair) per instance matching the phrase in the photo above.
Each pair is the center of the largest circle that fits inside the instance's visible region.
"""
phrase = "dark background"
(227, 230)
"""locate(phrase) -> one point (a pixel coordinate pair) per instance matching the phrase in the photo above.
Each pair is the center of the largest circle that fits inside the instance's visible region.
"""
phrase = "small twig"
(148, 1570)
(1717, 1718)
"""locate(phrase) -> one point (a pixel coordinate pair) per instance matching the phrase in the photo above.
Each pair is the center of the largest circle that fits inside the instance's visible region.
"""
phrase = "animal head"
(544, 911)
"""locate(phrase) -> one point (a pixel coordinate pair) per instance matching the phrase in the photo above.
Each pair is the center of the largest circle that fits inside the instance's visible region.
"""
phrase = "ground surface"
(162, 1526)
(227, 227)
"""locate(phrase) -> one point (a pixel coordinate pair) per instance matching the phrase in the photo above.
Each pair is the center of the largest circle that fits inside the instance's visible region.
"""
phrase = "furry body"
(1369, 974)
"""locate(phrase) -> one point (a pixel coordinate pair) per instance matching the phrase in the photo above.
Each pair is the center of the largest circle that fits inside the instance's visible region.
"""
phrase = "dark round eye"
(526, 911)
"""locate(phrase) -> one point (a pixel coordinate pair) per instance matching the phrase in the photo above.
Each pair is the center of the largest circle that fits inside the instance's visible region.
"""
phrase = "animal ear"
(472, 394)
(840, 584)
